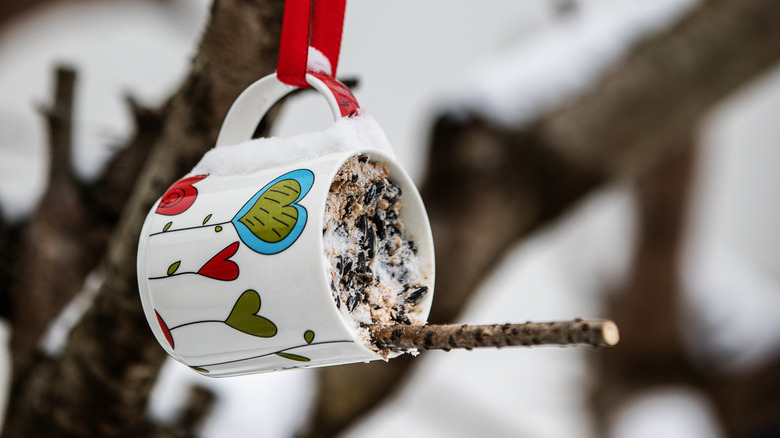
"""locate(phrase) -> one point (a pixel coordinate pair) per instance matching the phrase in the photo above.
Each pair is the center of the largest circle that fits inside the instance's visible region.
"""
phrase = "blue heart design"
(272, 219)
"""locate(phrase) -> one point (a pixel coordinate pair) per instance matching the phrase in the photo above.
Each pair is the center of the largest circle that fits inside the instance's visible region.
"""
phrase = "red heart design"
(164, 328)
(219, 267)
(179, 197)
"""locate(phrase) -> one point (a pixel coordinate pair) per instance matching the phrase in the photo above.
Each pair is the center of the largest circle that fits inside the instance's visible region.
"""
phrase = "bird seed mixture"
(374, 272)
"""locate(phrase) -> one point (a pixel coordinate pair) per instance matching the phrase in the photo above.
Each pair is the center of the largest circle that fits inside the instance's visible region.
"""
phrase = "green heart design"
(244, 316)
(271, 218)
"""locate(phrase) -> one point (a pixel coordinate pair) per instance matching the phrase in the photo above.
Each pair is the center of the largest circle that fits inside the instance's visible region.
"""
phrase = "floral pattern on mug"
(179, 197)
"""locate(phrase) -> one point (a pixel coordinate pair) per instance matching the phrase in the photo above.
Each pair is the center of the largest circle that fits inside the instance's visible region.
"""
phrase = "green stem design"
(272, 353)
(176, 274)
(195, 322)
(168, 230)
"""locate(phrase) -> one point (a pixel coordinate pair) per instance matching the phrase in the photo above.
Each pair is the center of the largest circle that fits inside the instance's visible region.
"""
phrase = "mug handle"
(252, 104)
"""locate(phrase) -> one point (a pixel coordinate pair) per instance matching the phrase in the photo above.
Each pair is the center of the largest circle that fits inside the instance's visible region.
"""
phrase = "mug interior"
(420, 263)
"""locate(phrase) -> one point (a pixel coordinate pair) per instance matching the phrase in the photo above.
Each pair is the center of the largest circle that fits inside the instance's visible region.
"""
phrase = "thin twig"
(598, 333)
(59, 117)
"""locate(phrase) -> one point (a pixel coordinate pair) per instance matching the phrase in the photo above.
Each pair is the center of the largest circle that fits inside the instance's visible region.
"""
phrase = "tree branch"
(446, 337)
(488, 186)
(649, 103)
(10, 9)
(55, 252)
(59, 119)
(100, 384)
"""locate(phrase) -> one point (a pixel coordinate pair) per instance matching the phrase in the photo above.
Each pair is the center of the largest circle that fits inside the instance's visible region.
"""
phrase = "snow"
(732, 273)
(256, 405)
(56, 336)
(346, 134)
(673, 412)
(318, 62)
(732, 309)
(542, 71)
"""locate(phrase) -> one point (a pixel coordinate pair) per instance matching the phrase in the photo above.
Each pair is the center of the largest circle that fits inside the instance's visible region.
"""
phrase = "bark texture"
(100, 383)
(448, 337)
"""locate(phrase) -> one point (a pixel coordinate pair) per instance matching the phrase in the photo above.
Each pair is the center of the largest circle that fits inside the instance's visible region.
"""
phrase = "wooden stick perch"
(599, 333)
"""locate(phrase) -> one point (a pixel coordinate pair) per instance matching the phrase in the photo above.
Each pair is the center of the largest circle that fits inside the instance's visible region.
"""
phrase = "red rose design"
(179, 196)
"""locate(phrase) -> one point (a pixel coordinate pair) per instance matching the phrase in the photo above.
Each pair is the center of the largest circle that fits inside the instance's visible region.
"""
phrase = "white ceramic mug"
(231, 267)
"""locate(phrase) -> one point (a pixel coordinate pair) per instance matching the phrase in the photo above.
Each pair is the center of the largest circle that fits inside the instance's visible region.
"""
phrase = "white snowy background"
(508, 60)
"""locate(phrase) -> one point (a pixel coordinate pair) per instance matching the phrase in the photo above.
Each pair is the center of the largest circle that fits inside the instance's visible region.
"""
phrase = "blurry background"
(679, 247)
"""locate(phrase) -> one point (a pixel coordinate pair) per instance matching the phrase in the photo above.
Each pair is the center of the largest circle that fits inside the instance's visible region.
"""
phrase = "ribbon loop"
(309, 23)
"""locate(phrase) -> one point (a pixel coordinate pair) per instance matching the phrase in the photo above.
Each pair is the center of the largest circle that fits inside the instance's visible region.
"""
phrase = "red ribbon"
(300, 29)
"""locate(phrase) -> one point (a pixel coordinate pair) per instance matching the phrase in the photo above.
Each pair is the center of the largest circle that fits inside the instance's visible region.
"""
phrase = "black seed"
(374, 320)
(340, 264)
(352, 302)
(361, 262)
(370, 195)
(347, 267)
(390, 198)
(379, 222)
(366, 278)
(380, 186)
(416, 296)
(396, 188)
(348, 206)
(412, 246)
(391, 217)
(349, 278)
(363, 158)
(338, 302)
(370, 243)
(401, 319)
(354, 178)
(362, 223)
